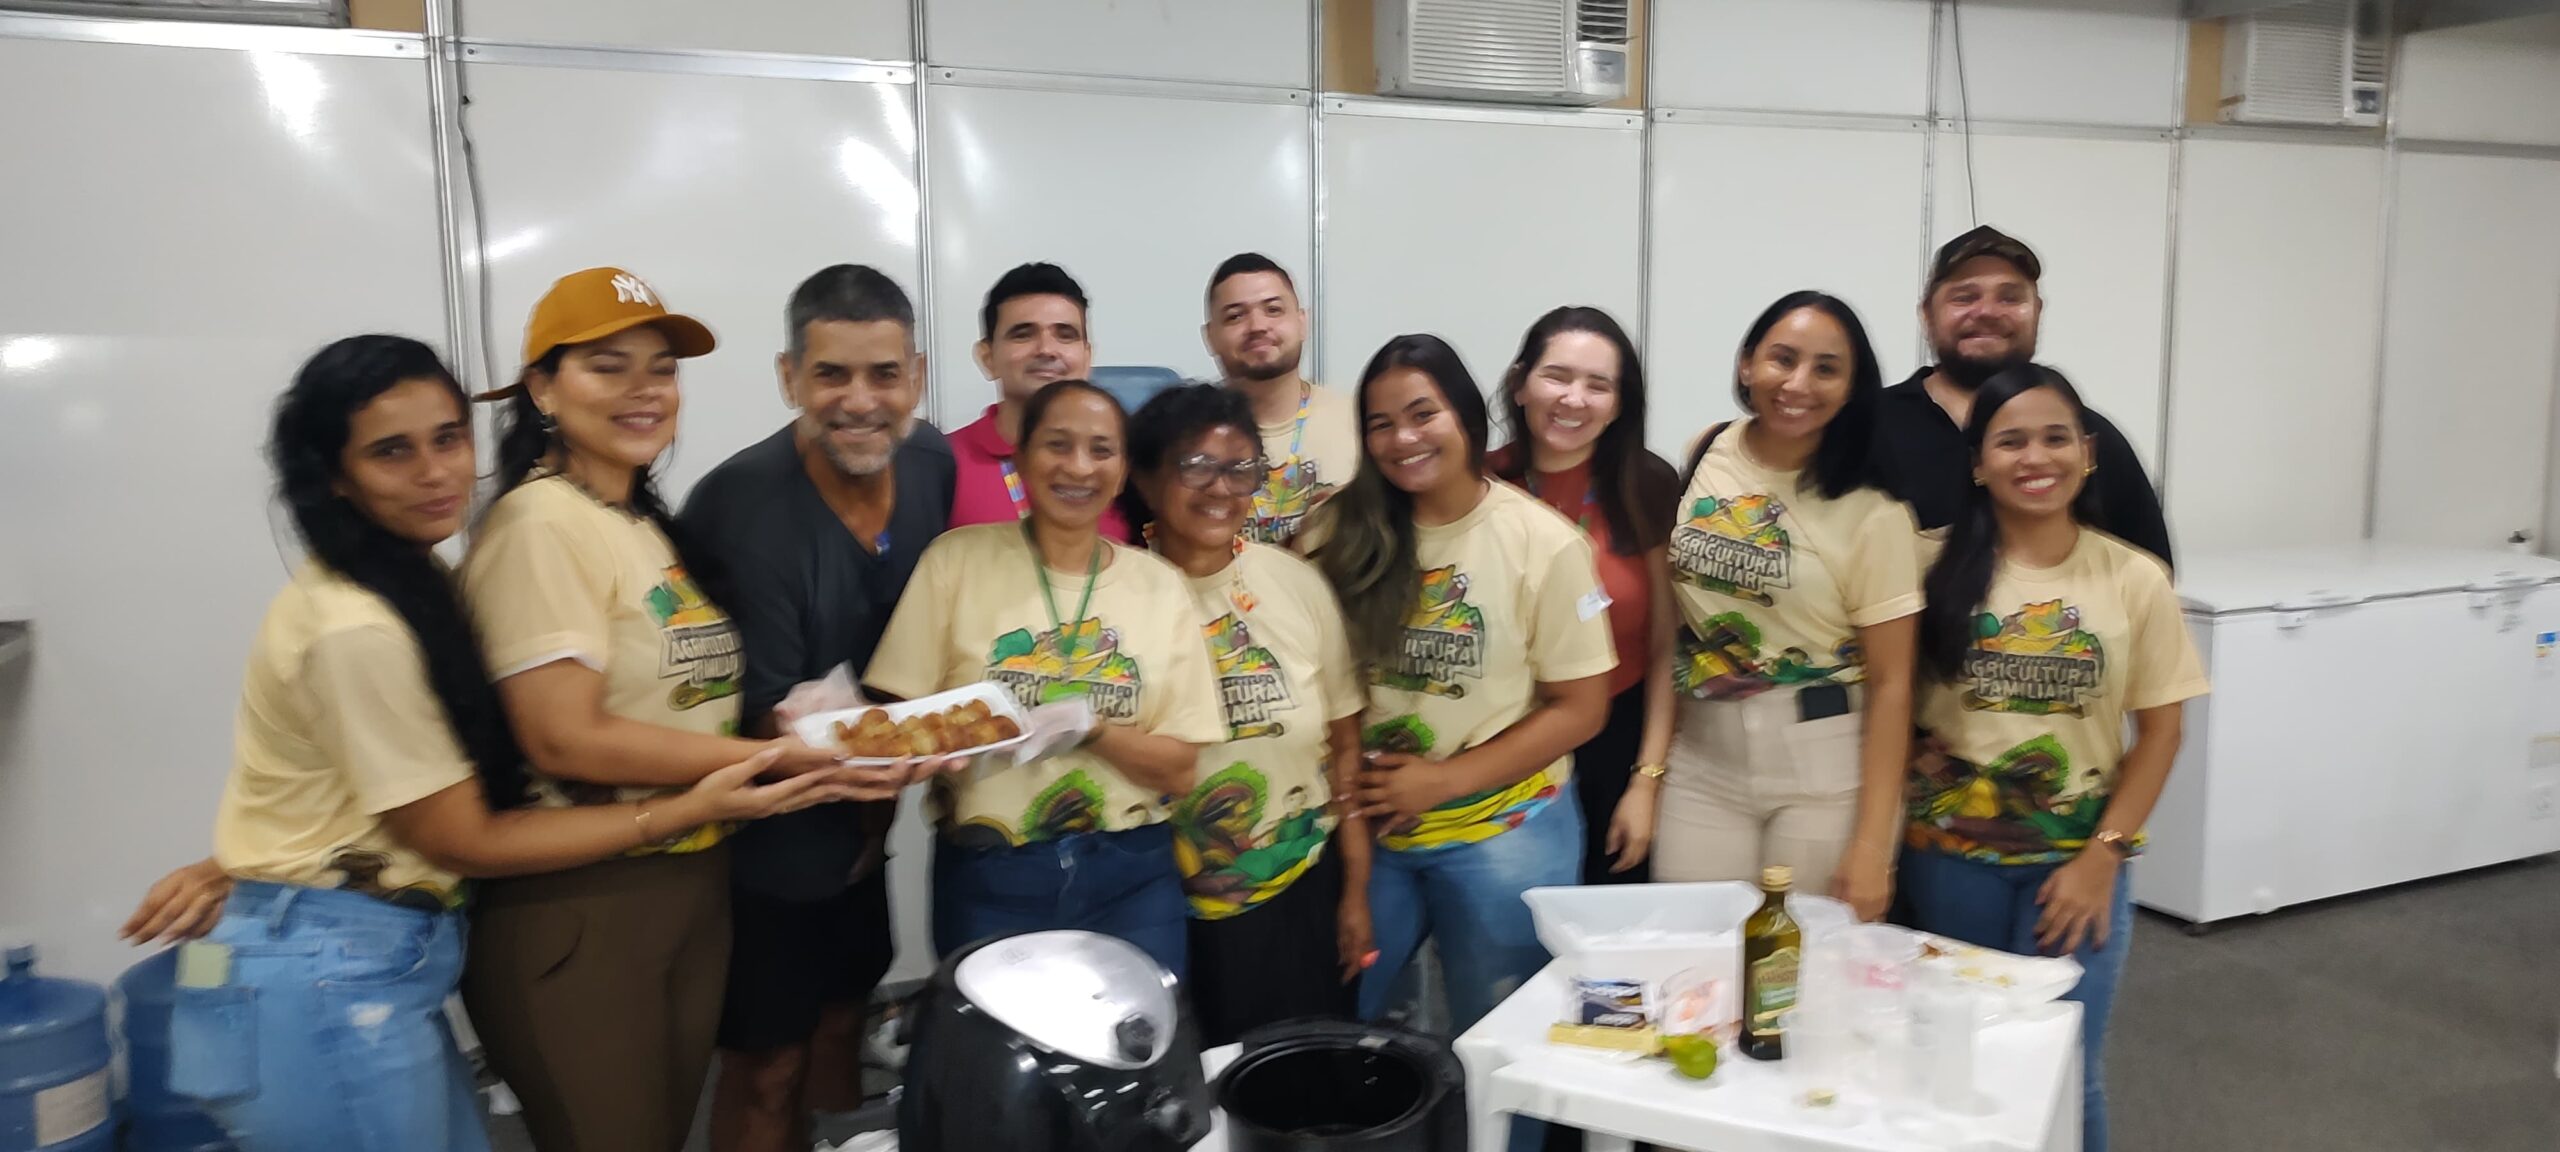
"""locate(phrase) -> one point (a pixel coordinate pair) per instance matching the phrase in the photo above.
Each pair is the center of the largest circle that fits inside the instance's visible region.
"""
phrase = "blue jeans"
(1994, 905)
(1120, 884)
(330, 1034)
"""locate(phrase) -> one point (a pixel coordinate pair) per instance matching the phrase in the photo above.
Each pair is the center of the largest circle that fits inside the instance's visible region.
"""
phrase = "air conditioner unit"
(1515, 51)
(2316, 62)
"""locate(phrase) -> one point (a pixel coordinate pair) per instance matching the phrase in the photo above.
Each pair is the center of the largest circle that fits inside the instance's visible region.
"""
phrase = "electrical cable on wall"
(471, 193)
(1964, 111)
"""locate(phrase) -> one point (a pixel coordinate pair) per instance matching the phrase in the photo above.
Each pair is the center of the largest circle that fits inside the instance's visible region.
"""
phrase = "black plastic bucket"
(1332, 1087)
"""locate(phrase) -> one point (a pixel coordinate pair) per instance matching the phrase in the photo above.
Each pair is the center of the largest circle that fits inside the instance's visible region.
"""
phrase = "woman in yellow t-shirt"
(369, 752)
(1071, 833)
(2041, 637)
(1483, 628)
(1798, 580)
(597, 990)
(1279, 924)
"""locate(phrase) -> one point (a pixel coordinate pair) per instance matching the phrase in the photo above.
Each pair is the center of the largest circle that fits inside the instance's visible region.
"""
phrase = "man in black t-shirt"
(1981, 310)
(818, 528)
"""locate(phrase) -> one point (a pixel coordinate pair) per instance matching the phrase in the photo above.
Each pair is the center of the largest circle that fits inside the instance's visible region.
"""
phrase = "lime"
(1693, 1054)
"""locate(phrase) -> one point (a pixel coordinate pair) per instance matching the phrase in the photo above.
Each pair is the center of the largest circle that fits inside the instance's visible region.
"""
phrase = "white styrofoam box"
(1470, 230)
(2064, 61)
(1855, 56)
(2273, 362)
(2469, 355)
(870, 29)
(1745, 214)
(2497, 82)
(144, 334)
(723, 192)
(1256, 42)
(2096, 211)
(1089, 181)
(1648, 932)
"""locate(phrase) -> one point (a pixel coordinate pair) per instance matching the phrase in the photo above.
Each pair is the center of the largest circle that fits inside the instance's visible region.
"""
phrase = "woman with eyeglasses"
(1279, 888)
(1482, 626)
(1575, 401)
(597, 990)
(1095, 639)
(2042, 638)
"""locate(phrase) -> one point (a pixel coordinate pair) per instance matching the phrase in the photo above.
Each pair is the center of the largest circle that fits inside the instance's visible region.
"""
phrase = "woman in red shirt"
(1574, 404)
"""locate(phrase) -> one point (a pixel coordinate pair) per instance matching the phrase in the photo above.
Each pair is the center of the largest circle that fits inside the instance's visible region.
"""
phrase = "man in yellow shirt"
(1258, 331)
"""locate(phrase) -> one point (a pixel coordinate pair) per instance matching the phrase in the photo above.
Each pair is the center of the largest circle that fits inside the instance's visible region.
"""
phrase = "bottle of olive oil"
(1772, 966)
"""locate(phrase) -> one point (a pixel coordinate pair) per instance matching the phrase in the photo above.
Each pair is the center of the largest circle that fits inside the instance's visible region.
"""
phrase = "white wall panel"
(724, 192)
(2273, 365)
(1470, 231)
(1744, 215)
(2064, 61)
(1138, 197)
(2096, 211)
(2468, 354)
(1227, 41)
(873, 29)
(2496, 82)
(155, 297)
(1869, 56)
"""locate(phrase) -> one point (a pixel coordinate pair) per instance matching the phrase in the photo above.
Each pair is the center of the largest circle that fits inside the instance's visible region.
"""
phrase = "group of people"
(1893, 638)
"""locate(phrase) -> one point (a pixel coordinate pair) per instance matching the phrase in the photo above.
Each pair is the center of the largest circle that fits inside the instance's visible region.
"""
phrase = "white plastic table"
(2027, 1070)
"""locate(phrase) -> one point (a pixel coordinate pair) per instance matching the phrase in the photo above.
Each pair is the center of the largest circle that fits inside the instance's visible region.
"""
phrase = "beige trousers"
(1751, 785)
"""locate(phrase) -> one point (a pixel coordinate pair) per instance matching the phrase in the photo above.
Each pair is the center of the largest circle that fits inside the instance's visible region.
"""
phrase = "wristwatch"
(2124, 846)
(1653, 771)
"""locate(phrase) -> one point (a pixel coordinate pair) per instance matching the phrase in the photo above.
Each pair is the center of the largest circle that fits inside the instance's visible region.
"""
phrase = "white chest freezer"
(2380, 714)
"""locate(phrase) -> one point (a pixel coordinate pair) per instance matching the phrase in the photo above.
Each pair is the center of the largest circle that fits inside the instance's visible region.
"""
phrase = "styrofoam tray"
(2008, 983)
(819, 730)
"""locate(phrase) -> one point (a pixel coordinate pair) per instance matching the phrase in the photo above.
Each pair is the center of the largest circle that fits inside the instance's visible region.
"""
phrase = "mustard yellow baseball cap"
(594, 303)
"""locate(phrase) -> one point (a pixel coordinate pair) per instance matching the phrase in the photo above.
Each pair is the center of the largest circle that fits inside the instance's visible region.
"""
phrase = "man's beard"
(1263, 374)
(1969, 372)
(852, 463)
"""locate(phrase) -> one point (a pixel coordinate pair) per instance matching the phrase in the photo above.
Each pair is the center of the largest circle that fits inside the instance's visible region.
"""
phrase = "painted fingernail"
(1370, 959)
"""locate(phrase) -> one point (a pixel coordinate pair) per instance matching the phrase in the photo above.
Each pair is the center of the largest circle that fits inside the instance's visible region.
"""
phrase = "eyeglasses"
(1240, 477)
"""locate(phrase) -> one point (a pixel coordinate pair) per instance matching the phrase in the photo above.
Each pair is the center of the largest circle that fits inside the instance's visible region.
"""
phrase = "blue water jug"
(56, 1090)
(154, 1119)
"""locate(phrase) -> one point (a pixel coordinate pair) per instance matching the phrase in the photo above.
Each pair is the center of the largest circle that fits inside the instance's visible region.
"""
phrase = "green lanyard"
(1040, 567)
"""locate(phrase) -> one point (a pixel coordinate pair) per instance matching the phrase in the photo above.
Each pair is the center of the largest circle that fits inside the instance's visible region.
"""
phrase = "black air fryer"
(1052, 1042)
(1326, 1086)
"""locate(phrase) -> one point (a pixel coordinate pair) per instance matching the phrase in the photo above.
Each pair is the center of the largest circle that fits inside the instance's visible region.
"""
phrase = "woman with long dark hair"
(1479, 618)
(1279, 887)
(2042, 636)
(1073, 833)
(1574, 401)
(597, 990)
(1797, 578)
(370, 750)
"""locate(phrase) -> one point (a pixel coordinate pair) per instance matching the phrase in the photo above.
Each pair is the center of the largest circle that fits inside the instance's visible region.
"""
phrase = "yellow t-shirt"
(1510, 597)
(2017, 758)
(1774, 580)
(974, 612)
(1306, 466)
(1258, 817)
(555, 575)
(337, 726)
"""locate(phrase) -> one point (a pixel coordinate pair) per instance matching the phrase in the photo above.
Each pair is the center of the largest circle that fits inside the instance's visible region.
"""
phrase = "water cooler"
(56, 1091)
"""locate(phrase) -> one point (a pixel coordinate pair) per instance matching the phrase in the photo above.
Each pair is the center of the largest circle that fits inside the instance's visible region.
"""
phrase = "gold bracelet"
(1653, 771)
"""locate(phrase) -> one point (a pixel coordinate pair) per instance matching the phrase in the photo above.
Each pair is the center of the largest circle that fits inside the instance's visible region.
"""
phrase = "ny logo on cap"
(630, 289)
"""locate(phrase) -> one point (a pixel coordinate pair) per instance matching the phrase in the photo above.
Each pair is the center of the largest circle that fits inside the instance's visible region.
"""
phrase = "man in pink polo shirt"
(1031, 333)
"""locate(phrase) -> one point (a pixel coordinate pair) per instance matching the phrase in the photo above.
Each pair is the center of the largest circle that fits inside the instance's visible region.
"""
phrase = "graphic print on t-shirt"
(1727, 663)
(1443, 639)
(697, 642)
(2038, 662)
(1734, 547)
(1290, 490)
(2022, 807)
(1214, 843)
(1251, 687)
(1038, 670)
